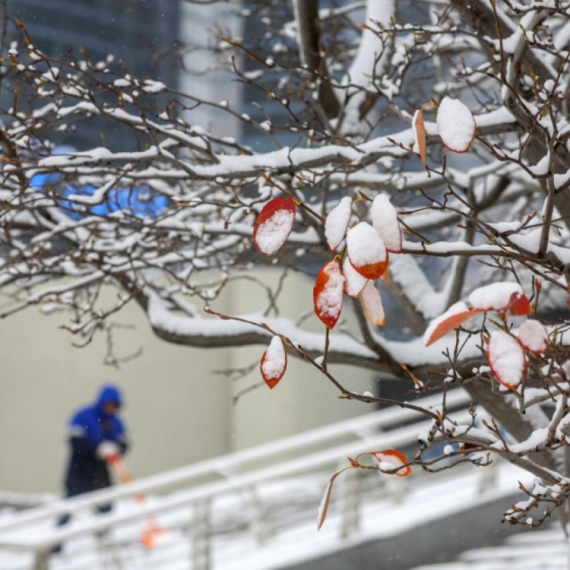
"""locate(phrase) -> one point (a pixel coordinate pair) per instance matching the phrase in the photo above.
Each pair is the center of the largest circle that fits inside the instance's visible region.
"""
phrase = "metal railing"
(317, 451)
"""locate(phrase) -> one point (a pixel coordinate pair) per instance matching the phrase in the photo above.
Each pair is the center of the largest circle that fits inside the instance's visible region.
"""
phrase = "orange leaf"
(274, 362)
(386, 275)
(328, 293)
(394, 457)
(454, 317)
(273, 225)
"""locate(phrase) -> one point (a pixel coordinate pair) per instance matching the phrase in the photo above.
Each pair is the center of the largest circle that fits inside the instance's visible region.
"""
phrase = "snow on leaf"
(420, 135)
(336, 223)
(455, 124)
(455, 316)
(391, 459)
(354, 282)
(366, 251)
(273, 225)
(507, 359)
(274, 362)
(503, 296)
(372, 303)
(328, 293)
(533, 336)
(385, 222)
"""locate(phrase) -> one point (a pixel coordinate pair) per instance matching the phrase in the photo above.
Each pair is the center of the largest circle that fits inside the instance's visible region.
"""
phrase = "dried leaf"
(419, 129)
(372, 303)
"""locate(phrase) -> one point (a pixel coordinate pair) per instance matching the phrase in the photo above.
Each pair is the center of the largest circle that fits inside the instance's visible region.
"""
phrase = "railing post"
(260, 523)
(351, 499)
(201, 537)
(41, 560)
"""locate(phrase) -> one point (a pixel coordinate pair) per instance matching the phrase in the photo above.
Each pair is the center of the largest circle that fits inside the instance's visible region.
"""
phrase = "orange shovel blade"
(152, 535)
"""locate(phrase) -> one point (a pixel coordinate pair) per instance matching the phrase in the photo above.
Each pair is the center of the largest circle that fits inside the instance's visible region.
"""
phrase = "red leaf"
(273, 225)
(519, 305)
(328, 293)
(454, 317)
(534, 336)
(507, 359)
(274, 362)
(396, 458)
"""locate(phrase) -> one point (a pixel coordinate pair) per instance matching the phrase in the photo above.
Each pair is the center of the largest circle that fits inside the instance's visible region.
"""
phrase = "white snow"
(507, 359)
(365, 246)
(274, 359)
(337, 222)
(385, 222)
(495, 296)
(273, 232)
(354, 282)
(328, 303)
(533, 336)
(455, 124)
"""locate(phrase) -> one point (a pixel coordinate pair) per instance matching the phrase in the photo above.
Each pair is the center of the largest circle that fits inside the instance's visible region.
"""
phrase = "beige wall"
(177, 410)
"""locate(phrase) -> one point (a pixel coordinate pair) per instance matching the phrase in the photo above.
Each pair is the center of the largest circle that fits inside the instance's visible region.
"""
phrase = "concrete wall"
(178, 411)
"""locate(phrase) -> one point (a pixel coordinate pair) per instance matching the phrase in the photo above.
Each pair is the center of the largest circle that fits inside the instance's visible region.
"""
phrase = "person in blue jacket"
(97, 437)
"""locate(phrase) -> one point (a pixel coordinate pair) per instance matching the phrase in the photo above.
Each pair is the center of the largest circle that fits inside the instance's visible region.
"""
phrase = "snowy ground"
(540, 550)
(256, 531)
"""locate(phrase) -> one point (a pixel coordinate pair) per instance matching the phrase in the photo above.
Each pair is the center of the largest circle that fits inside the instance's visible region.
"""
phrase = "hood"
(109, 393)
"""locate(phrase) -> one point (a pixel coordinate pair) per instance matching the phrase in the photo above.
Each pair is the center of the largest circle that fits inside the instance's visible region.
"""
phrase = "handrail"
(229, 464)
(44, 540)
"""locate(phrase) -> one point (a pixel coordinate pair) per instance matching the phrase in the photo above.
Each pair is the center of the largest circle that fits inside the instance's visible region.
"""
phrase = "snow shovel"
(153, 533)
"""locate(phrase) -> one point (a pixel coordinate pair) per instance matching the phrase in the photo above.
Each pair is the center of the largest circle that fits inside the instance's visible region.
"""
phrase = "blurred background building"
(178, 410)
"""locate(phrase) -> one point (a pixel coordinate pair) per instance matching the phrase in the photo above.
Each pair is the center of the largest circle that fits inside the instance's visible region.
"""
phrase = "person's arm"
(119, 435)
(83, 436)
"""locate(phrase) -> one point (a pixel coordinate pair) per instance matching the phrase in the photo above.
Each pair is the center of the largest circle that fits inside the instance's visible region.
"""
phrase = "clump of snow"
(274, 360)
(328, 302)
(455, 124)
(354, 282)
(533, 336)
(385, 222)
(337, 222)
(495, 296)
(507, 359)
(274, 231)
(365, 246)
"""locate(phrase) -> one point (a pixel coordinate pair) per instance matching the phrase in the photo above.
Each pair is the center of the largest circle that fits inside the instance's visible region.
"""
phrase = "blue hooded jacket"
(88, 427)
